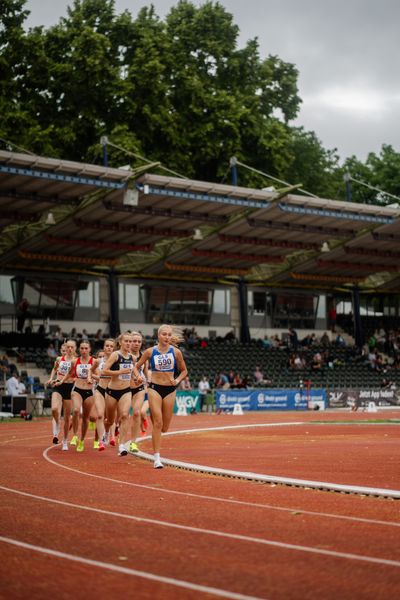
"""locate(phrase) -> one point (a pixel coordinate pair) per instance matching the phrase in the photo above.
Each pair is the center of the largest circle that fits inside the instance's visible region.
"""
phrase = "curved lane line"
(126, 571)
(289, 481)
(221, 534)
(217, 498)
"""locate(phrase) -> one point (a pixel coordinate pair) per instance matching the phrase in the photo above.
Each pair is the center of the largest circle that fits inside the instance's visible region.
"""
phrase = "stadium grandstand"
(98, 249)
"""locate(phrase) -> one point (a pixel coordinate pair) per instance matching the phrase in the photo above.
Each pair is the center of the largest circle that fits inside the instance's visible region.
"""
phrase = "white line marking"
(213, 532)
(126, 571)
(319, 485)
(216, 498)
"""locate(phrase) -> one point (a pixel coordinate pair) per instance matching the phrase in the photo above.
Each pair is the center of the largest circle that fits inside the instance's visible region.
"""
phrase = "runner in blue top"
(165, 359)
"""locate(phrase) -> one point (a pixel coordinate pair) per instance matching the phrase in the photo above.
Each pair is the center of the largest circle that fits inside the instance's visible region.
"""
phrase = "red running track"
(98, 525)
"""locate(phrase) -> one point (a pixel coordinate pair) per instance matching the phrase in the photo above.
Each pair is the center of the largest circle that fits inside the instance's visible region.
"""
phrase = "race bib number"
(125, 366)
(82, 371)
(164, 362)
(64, 367)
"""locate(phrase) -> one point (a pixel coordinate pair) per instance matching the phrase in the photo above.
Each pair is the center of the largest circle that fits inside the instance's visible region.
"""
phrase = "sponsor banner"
(271, 399)
(191, 400)
(226, 399)
(362, 397)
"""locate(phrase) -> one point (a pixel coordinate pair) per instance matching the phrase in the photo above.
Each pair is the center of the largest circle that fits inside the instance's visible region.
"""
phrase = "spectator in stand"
(339, 341)
(231, 377)
(12, 385)
(259, 379)
(237, 382)
(316, 362)
(204, 388)
(51, 351)
(325, 341)
(185, 384)
(267, 343)
(99, 334)
(222, 381)
(203, 343)
(293, 339)
(21, 387)
(22, 314)
(85, 335)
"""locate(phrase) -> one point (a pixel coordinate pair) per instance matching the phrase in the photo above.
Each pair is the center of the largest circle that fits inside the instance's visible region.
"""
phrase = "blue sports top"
(163, 361)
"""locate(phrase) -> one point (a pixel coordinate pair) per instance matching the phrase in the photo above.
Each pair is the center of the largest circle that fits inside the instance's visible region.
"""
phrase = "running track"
(95, 525)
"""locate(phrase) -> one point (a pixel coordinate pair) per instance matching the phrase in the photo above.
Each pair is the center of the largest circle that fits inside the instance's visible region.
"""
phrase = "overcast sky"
(347, 53)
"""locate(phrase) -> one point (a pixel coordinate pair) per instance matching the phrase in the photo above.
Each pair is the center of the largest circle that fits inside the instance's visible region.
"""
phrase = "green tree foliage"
(177, 90)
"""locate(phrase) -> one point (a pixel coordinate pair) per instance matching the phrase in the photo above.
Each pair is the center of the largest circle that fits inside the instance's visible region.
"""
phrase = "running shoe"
(122, 451)
(81, 446)
(64, 446)
(74, 441)
(133, 447)
(102, 446)
(112, 442)
(55, 440)
(158, 464)
(96, 444)
(106, 439)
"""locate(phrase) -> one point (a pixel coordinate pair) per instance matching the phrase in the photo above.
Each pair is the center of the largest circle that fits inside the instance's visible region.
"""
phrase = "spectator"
(51, 351)
(99, 334)
(12, 386)
(185, 384)
(237, 381)
(204, 388)
(222, 381)
(259, 379)
(21, 387)
(85, 335)
(293, 339)
(231, 377)
(332, 318)
(316, 362)
(22, 313)
(325, 341)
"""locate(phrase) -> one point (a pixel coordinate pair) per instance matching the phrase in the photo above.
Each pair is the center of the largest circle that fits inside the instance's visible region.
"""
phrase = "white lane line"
(126, 571)
(213, 532)
(259, 477)
(217, 498)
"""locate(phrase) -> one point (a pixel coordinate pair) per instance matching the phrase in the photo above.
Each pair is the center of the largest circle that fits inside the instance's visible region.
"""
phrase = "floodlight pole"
(103, 144)
(346, 179)
(233, 165)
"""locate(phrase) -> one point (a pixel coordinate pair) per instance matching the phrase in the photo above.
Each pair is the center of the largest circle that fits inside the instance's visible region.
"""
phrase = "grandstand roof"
(169, 228)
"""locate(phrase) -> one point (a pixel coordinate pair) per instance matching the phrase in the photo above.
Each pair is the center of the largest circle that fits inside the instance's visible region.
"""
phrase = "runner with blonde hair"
(165, 360)
(138, 388)
(119, 368)
(61, 395)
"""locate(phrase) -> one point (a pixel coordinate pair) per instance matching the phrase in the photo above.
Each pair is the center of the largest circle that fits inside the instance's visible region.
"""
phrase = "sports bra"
(123, 363)
(163, 362)
(63, 366)
(81, 370)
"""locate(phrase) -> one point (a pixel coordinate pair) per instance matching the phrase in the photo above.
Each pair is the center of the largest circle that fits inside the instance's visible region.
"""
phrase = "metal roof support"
(358, 332)
(244, 322)
(114, 324)
(62, 177)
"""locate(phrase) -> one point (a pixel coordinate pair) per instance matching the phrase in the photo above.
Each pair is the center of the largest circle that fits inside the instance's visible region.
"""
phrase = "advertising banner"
(190, 400)
(338, 398)
(271, 399)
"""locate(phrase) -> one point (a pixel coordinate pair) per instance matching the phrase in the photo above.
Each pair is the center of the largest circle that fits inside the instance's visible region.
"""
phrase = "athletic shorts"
(163, 390)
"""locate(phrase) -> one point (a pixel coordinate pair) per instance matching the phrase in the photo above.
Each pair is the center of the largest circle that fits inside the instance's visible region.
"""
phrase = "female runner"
(119, 368)
(61, 395)
(138, 389)
(101, 398)
(82, 392)
(164, 359)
